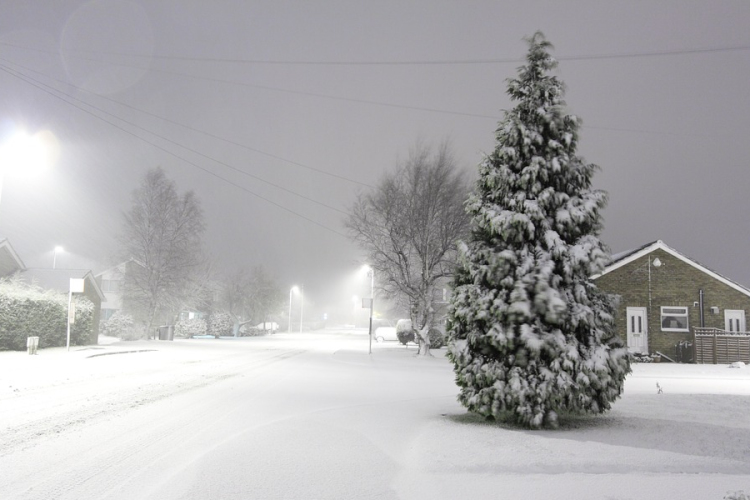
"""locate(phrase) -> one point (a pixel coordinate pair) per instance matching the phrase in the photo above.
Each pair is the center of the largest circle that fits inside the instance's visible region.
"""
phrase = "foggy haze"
(278, 113)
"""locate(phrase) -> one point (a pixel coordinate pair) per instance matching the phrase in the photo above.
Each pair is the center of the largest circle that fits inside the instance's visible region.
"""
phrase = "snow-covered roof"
(119, 267)
(623, 258)
(59, 279)
(10, 262)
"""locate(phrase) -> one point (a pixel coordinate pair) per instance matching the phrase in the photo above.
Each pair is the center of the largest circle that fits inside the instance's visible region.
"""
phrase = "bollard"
(32, 343)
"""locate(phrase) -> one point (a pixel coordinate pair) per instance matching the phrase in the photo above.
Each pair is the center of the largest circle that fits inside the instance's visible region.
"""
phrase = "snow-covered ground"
(313, 415)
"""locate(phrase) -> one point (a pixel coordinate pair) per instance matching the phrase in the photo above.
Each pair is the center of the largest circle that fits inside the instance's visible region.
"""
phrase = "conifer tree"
(531, 334)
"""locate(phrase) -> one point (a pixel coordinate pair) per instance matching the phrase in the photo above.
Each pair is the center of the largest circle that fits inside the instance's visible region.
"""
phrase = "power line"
(415, 62)
(197, 152)
(41, 86)
(229, 141)
(275, 89)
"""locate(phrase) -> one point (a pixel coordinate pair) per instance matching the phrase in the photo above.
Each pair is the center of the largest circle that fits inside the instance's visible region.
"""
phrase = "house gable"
(627, 257)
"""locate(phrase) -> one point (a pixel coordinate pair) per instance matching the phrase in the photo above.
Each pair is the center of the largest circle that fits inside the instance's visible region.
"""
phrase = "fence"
(716, 346)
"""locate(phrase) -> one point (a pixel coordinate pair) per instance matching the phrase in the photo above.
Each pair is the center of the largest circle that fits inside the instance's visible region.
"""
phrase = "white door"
(734, 320)
(637, 329)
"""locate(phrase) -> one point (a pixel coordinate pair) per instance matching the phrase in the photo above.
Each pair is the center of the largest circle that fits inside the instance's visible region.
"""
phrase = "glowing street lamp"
(27, 153)
(58, 249)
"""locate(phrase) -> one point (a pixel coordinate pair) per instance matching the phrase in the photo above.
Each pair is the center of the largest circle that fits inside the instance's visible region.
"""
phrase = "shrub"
(437, 339)
(404, 331)
(119, 325)
(189, 328)
(220, 324)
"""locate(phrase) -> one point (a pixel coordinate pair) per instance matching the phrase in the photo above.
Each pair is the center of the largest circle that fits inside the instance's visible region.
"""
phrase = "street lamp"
(58, 249)
(301, 304)
(371, 272)
(27, 153)
(294, 289)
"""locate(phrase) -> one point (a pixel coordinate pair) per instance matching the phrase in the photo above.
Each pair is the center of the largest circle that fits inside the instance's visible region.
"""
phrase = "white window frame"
(673, 314)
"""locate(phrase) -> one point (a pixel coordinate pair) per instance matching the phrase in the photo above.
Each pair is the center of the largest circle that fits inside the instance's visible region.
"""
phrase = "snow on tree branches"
(531, 334)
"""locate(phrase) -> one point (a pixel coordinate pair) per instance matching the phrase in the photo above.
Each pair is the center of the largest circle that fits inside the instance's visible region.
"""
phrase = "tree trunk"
(235, 325)
(424, 341)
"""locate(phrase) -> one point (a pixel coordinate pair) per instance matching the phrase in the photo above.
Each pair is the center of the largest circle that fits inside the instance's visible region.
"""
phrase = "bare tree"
(253, 296)
(266, 296)
(235, 298)
(162, 234)
(409, 226)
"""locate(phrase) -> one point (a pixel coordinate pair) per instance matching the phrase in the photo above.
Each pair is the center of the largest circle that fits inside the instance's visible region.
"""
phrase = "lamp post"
(301, 305)
(371, 272)
(58, 249)
(294, 289)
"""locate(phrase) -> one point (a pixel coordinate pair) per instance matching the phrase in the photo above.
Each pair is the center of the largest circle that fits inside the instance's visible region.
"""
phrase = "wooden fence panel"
(720, 347)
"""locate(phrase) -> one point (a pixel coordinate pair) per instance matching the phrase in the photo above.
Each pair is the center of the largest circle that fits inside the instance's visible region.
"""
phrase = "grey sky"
(665, 119)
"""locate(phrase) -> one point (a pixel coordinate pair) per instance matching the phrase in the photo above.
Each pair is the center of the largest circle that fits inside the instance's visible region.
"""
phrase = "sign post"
(76, 286)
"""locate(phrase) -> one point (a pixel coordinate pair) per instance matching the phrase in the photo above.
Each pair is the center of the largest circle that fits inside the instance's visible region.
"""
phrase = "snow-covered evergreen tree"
(531, 335)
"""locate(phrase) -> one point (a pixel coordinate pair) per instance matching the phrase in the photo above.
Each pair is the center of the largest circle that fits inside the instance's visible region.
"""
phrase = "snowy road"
(308, 416)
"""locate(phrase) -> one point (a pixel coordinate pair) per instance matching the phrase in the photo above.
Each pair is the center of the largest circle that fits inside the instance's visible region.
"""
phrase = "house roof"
(119, 267)
(59, 279)
(623, 258)
(10, 262)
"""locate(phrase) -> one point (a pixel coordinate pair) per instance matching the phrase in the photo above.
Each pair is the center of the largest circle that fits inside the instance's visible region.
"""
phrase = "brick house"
(665, 295)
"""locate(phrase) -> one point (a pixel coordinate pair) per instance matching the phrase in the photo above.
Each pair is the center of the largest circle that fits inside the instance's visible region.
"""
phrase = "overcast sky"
(278, 113)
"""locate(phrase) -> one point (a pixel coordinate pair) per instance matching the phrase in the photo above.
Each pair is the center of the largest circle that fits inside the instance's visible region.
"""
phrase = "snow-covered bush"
(29, 311)
(220, 324)
(189, 328)
(437, 339)
(404, 331)
(531, 335)
(118, 325)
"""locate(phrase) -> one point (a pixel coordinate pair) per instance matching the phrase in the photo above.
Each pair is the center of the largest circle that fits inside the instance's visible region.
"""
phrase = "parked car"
(269, 326)
(383, 330)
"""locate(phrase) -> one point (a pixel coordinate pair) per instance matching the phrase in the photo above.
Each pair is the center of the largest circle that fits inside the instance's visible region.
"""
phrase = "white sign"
(76, 285)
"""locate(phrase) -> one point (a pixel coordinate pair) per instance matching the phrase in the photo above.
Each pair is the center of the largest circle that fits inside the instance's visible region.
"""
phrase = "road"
(314, 416)
(284, 416)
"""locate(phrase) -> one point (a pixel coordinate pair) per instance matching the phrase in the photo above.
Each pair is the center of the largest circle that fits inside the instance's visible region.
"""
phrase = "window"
(110, 285)
(674, 319)
(106, 314)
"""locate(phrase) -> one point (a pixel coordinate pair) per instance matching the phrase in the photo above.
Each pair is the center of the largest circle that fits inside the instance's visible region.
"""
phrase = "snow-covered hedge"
(190, 327)
(28, 311)
(220, 324)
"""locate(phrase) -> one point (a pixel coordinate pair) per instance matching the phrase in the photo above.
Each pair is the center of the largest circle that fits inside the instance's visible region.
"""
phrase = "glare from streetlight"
(27, 153)
(58, 249)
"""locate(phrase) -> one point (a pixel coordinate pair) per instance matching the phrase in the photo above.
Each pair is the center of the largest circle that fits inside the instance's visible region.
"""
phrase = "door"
(637, 330)
(734, 320)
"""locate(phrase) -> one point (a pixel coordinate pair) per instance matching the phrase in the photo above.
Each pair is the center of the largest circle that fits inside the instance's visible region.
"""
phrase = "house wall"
(93, 296)
(675, 283)
(112, 294)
